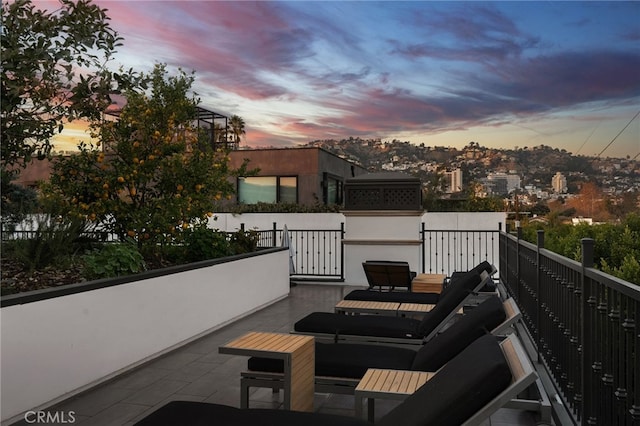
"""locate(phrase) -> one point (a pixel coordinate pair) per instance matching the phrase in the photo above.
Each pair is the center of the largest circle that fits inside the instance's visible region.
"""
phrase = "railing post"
(422, 242)
(518, 236)
(273, 235)
(539, 245)
(342, 251)
(587, 396)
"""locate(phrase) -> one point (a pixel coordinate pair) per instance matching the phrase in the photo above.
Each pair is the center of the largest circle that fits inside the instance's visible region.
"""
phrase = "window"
(333, 189)
(268, 189)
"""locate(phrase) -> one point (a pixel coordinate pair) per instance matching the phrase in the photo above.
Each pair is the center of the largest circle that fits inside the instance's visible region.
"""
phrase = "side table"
(298, 353)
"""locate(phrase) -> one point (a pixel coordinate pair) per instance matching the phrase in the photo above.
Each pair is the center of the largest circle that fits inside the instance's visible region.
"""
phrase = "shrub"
(202, 243)
(51, 240)
(114, 260)
(244, 242)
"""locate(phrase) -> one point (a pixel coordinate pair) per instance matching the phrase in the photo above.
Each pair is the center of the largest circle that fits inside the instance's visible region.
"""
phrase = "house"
(306, 176)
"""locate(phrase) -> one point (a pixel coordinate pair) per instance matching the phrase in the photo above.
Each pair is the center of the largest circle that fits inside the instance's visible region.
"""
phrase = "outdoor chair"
(340, 366)
(482, 266)
(409, 297)
(387, 329)
(465, 391)
(388, 273)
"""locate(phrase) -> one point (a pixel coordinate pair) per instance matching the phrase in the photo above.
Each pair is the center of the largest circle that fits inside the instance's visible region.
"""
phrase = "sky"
(502, 74)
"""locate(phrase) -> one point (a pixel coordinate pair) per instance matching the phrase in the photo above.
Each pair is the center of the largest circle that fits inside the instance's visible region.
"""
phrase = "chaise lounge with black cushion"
(466, 391)
(340, 366)
(410, 297)
(479, 268)
(387, 329)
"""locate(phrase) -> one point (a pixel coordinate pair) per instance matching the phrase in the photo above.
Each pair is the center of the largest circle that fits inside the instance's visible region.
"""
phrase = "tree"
(53, 70)
(237, 128)
(156, 175)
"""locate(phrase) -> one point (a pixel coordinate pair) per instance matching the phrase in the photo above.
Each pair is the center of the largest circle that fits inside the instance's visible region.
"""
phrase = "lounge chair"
(469, 388)
(388, 273)
(482, 266)
(409, 297)
(340, 366)
(387, 329)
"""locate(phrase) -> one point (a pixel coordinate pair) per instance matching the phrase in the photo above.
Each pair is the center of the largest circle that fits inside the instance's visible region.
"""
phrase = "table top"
(430, 278)
(415, 307)
(367, 305)
(401, 382)
(266, 342)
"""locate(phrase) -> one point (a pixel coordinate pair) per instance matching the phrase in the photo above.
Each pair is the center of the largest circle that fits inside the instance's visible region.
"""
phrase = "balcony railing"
(584, 325)
(315, 253)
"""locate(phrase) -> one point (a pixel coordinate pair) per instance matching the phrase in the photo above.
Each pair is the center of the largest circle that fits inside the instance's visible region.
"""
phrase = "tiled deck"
(197, 372)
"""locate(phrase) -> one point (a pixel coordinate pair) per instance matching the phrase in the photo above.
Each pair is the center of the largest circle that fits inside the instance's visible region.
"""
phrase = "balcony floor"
(197, 372)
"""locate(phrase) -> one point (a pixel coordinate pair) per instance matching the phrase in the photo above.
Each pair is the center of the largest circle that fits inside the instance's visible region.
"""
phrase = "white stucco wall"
(56, 347)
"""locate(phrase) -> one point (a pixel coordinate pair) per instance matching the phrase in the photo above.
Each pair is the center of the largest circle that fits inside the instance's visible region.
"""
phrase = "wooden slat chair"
(388, 273)
(340, 366)
(336, 327)
(469, 388)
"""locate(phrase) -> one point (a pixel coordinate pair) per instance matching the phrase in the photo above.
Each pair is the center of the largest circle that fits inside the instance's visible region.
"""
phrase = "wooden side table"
(298, 353)
(387, 384)
(428, 283)
(367, 307)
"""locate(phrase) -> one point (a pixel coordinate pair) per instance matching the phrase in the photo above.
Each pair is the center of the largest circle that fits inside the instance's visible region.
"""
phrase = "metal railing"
(318, 253)
(11, 235)
(584, 325)
(315, 253)
(447, 251)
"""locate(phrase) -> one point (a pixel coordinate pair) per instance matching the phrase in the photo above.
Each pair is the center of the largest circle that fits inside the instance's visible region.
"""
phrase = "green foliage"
(616, 247)
(156, 175)
(629, 270)
(113, 260)
(203, 243)
(243, 242)
(42, 87)
(51, 241)
(17, 201)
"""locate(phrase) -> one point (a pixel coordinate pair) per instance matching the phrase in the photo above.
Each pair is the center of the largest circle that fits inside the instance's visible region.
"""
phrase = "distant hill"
(535, 165)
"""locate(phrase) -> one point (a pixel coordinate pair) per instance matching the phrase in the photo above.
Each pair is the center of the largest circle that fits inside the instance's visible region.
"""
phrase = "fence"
(315, 253)
(584, 324)
(319, 253)
(447, 251)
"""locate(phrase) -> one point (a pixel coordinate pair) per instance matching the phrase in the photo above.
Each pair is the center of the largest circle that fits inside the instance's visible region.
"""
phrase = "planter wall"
(54, 347)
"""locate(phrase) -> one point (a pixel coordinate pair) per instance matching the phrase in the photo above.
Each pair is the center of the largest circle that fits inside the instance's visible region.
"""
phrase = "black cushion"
(360, 325)
(345, 360)
(393, 296)
(189, 413)
(473, 325)
(462, 387)
(448, 302)
(483, 266)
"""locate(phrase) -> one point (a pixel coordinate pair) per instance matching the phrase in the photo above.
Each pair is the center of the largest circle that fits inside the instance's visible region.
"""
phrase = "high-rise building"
(559, 183)
(453, 181)
(502, 183)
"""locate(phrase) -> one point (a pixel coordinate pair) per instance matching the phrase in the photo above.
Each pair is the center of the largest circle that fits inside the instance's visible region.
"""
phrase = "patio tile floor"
(197, 372)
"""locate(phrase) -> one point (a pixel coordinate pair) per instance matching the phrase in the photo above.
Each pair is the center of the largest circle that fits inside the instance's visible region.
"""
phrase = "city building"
(559, 183)
(501, 183)
(305, 176)
(453, 181)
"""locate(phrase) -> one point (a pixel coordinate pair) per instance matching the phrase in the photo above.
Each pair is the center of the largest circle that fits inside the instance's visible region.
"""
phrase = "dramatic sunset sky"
(503, 74)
